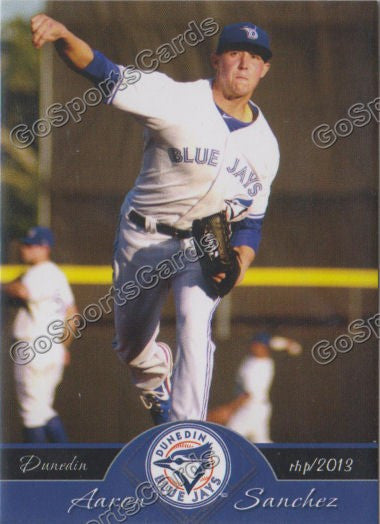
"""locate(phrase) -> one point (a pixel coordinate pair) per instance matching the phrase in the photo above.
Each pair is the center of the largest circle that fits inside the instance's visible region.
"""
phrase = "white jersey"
(252, 419)
(255, 377)
(49, 297)
(192, 162)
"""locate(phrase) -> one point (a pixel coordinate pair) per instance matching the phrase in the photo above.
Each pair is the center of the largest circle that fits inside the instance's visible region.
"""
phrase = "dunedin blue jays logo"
(251, 32)
(188, 466)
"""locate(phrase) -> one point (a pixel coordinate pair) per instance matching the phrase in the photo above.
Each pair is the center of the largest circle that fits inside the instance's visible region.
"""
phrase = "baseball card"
(189, 285)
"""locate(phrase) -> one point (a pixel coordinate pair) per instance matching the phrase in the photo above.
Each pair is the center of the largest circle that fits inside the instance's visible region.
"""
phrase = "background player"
(250, 412)
(45, 296)
(207, 146)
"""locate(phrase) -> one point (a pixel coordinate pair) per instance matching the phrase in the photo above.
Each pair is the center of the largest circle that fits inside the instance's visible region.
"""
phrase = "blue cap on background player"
(262, 338)
(244, 36)
(39, 236)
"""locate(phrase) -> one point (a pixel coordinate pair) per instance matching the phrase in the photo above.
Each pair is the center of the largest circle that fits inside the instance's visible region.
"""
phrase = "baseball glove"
(215, 230)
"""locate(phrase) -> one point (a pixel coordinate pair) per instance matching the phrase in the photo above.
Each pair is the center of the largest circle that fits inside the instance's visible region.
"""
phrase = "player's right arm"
(16, 289)
(155, 99)
(74, 50)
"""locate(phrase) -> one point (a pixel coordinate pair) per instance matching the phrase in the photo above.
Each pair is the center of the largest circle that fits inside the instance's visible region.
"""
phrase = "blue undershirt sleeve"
(102, 72)
(247, 232)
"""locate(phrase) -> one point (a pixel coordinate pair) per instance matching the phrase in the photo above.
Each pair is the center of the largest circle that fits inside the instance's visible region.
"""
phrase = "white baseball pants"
(153, 263)
(36, 383)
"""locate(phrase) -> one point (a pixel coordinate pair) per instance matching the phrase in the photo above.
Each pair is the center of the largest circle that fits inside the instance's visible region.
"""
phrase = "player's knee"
(129, 348)
(195, 325)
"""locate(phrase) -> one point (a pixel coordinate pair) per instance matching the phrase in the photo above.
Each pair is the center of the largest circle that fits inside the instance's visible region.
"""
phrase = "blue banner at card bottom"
(195, 472)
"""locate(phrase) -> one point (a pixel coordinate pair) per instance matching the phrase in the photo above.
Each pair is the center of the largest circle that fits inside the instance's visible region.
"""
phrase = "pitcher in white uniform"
(208, 147)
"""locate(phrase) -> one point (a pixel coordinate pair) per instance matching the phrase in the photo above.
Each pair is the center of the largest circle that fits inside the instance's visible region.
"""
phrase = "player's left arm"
(290, 345)
(246, 255)
(245, 240)
(71, 312)
(246, 234)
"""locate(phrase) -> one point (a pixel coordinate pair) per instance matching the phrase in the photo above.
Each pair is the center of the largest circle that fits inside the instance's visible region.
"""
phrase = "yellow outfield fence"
(257, 276)
(311, 277)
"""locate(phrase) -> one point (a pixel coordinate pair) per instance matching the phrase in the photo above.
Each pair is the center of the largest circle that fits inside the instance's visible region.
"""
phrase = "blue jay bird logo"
(251, 32)
(237, 208)
(189, 465)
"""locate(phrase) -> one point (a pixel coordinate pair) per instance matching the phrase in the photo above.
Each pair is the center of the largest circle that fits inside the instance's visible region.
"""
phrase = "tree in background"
(20, 90)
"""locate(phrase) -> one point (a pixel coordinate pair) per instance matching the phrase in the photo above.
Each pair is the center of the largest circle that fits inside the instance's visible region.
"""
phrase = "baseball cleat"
(158, 400)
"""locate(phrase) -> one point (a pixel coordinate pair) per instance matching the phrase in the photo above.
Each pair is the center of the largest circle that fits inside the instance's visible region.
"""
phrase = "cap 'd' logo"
(188, 465)
(251, 32)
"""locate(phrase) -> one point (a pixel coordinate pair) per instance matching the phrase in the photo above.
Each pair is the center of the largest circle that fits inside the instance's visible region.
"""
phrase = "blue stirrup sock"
(55, 430)
(35, 435)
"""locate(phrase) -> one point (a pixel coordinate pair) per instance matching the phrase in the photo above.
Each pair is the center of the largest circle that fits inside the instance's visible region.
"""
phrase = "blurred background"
(322, 211)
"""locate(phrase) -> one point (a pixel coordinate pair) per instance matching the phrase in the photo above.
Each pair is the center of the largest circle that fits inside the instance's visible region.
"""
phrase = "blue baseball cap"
(39, 236)
(262, 338)
(244, 36)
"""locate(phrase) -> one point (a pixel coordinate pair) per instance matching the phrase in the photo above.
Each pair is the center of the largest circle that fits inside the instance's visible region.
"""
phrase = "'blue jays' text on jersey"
(192, 162)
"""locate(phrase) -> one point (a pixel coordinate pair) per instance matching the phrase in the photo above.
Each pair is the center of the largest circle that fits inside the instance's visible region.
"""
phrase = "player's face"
(238, 72)
(259, 350)
(32, 254)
